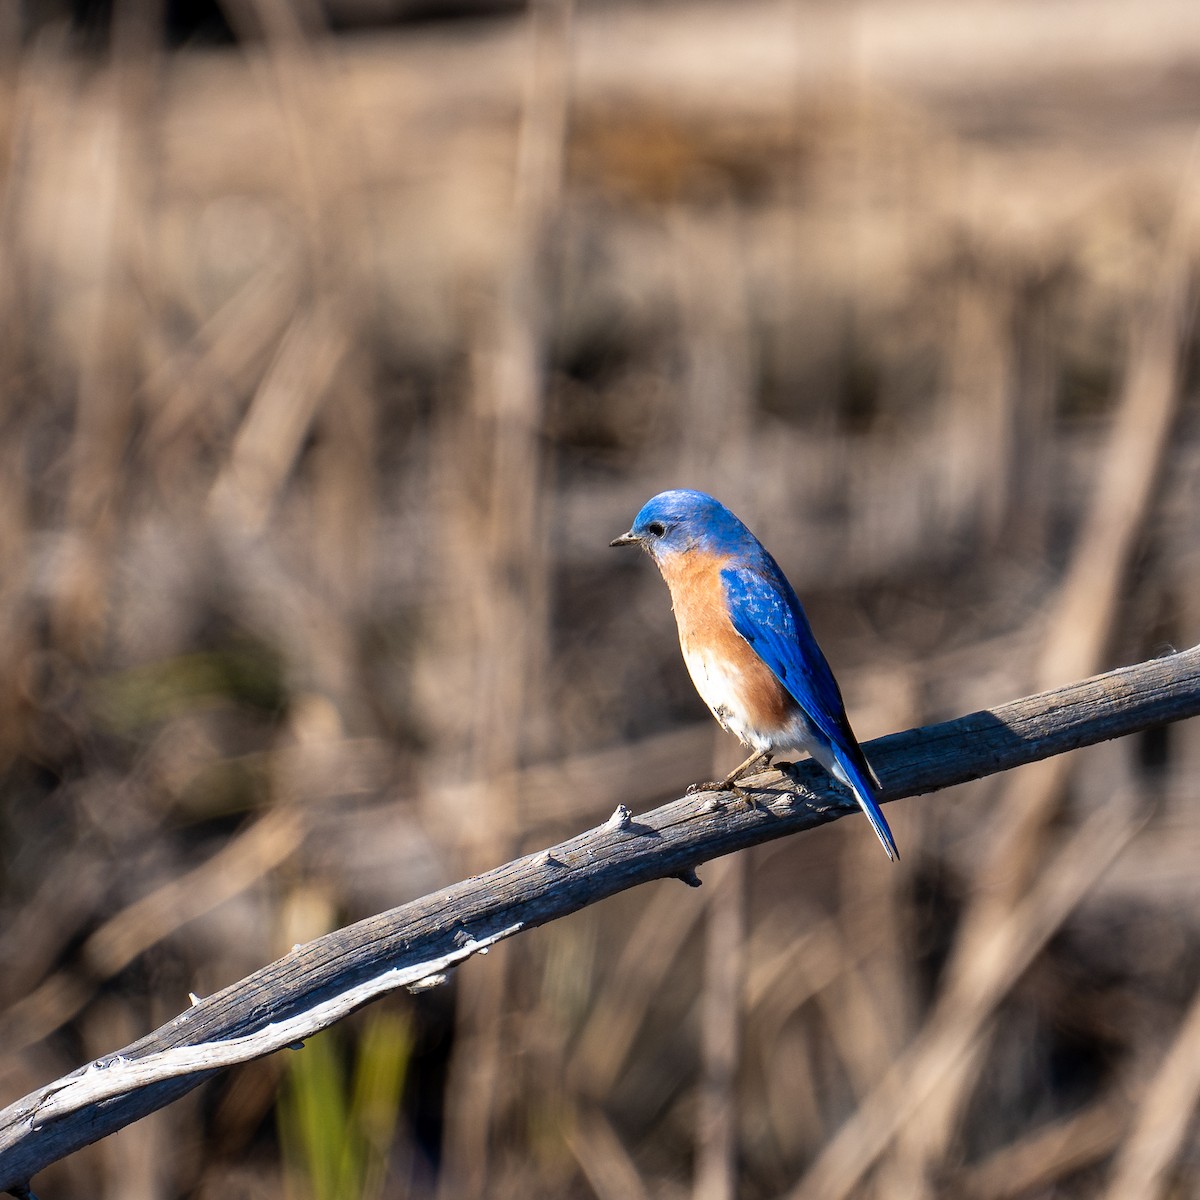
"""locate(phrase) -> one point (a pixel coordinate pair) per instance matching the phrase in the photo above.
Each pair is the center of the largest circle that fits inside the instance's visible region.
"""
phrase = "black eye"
(656, 529)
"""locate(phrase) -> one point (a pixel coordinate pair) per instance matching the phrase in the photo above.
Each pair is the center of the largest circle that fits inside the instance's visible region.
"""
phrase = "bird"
(748, 646)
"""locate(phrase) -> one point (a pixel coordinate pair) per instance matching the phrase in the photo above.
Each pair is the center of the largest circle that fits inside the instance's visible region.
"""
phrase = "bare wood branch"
(322, 981)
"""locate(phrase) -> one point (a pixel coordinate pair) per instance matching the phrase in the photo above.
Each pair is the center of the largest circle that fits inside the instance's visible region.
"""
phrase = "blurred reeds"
(330, 367)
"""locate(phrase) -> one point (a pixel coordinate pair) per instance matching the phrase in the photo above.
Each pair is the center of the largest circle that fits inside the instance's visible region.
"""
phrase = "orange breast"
(733, 681)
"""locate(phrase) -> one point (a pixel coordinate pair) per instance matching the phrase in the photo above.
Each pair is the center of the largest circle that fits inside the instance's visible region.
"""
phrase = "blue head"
(681, 520)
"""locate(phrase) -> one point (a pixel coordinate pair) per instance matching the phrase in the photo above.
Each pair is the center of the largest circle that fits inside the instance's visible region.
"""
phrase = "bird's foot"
(725, 785)
(749, 798)
(730, 782)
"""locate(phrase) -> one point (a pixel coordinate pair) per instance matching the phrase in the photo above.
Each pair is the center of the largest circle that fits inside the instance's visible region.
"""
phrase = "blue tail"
(860, 779)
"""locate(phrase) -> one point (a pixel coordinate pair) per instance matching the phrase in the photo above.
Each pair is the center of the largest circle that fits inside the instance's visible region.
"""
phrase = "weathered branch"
(411, 946)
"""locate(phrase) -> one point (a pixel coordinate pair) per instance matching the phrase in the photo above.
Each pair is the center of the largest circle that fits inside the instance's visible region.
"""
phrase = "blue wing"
(765, 611)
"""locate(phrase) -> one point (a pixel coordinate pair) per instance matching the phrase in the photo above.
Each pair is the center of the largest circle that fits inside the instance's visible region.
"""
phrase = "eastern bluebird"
(748, 645)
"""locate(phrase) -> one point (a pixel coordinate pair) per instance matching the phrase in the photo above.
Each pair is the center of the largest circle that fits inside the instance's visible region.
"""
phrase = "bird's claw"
(725, 785)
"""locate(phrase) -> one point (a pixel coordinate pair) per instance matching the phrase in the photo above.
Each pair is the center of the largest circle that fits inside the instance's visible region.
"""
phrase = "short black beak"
(626, 539)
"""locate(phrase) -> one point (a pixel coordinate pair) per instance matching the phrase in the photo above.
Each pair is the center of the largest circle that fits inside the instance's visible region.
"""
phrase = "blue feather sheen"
(767, 614)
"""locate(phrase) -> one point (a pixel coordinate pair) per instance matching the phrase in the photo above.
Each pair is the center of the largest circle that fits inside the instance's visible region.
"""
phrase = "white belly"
(719, 685)
(719, 688)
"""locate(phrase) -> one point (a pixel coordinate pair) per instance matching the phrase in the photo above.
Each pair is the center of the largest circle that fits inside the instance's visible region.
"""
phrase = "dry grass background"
(330, 366)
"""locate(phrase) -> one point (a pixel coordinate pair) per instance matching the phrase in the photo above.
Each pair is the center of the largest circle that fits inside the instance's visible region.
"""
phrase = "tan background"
(330, 366)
